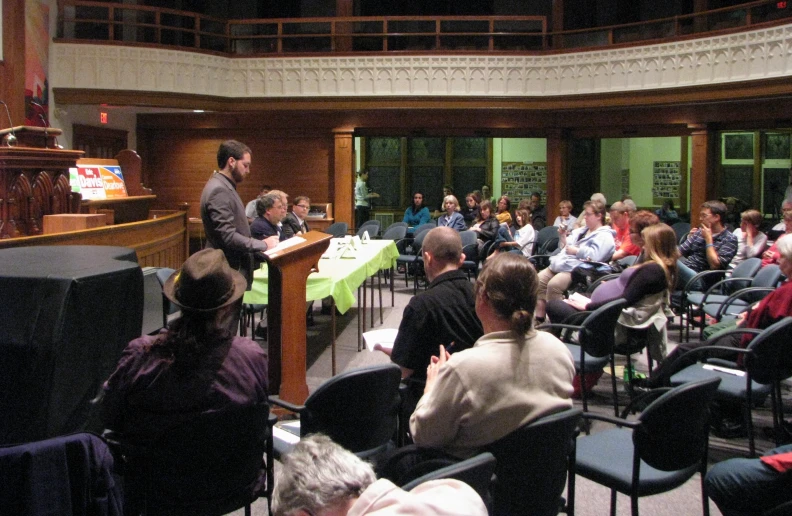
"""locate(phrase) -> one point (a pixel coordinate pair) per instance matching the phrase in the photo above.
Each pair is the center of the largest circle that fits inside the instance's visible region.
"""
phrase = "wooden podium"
(286, 330)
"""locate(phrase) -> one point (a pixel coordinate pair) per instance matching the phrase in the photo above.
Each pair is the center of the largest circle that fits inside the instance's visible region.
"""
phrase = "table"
(337, 277)
(67, 314)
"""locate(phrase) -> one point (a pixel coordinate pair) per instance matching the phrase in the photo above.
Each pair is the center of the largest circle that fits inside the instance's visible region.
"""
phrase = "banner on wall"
(98, 182)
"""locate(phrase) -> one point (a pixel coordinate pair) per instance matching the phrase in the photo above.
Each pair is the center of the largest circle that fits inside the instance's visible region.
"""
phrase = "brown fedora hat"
(205, 283)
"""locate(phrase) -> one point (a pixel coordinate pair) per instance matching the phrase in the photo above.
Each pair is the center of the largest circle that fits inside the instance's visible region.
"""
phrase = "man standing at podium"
(222, 211)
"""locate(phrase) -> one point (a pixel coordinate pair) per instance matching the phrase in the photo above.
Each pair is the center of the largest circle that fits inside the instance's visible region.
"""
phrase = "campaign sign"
(98, 182)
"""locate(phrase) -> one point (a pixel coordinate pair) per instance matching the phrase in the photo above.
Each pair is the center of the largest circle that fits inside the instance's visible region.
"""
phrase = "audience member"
(486, 193)
(750, 241)
(452, 217)
(294, 223)
(250, 208)
(743, 486)
(444, 314)
(640, 220)
(620, 221)
(271, 212)
(708, 247)
(504, 210)
(594, 242)
(222, 211)
(645, 287)
(786, 205)
(487, 225)
(774, 307)
(471, 209)
(566, 218)
(667, 213)
(320, 478)
(513, 374)
(581, 220)
(524, 236)
(538, 211)
(194, 367)
(417, 214)
(363, 197)
(772, 255)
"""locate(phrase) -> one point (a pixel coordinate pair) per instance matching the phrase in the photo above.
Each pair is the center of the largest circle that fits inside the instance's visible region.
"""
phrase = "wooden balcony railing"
(134, 24)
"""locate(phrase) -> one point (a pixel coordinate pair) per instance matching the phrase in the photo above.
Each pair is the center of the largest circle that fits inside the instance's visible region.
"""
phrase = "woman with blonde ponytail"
(510, 377)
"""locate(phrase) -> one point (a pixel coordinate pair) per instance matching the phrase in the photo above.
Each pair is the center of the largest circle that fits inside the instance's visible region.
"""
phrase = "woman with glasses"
(593, 242)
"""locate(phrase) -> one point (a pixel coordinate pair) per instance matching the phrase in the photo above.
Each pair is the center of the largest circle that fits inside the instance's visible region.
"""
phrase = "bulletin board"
(519, 180)
(666, 181)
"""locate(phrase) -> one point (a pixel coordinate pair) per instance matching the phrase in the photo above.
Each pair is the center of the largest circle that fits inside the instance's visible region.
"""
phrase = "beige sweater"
(492, 389)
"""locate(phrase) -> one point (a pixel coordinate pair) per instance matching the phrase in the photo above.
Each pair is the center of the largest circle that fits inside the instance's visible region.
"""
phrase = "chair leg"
(613, 502)
(749, 426)
(613, 385)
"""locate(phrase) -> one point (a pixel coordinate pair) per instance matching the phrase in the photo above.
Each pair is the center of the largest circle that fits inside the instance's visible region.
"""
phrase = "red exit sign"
(781, 5)
(102, 117)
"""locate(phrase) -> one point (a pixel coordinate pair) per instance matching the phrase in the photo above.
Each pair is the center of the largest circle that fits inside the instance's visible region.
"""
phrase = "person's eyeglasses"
(302, 206)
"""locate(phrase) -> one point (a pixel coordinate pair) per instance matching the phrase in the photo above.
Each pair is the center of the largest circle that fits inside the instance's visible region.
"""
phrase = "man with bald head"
(443, 314)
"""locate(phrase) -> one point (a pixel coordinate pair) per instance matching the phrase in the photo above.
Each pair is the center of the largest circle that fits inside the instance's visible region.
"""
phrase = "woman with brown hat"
(197, 365)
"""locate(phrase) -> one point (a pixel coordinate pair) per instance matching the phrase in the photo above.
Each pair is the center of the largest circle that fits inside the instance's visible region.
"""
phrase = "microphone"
(41, 112)
(10, 139)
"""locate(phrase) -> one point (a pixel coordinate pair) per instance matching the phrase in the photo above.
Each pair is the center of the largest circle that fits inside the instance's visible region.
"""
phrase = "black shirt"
(443, 314)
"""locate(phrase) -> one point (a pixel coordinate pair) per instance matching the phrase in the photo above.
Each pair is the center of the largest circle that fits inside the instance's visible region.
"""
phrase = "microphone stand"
(10, 139)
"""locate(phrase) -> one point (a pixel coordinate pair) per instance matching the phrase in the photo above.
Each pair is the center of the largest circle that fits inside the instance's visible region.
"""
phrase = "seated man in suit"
(271, 212)
(294, 222)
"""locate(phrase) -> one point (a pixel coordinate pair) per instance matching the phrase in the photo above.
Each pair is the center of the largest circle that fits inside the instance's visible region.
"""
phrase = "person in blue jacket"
(452, 218)
(417, 214)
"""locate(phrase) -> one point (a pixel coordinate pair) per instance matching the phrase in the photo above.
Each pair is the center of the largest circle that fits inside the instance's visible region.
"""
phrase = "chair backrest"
(674, 429)
(768, 276)
(476, 472)
(424, 227)
(163, 273)
(419, 238)
(372, 226)
(337, 229)
(745, 269)
(70, 474)
(471, 253)
(468, 237)
(532, 462)
(770, 359)
(357, 409)
(399, 224)
(597, 334)
(543, 235)
(395, 232)
(628, 261)
(681, 229)
(212, 463)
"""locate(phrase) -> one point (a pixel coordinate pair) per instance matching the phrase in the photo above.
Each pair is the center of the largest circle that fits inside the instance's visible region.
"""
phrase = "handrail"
(81, 20)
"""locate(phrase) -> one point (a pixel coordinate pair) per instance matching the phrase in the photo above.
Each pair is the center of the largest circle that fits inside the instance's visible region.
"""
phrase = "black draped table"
(66, 313)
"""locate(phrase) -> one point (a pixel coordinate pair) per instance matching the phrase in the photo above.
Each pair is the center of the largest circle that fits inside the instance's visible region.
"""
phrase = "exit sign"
(102, 117)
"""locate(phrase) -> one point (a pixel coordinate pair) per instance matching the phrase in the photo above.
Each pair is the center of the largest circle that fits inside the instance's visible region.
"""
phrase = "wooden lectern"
(286, 330)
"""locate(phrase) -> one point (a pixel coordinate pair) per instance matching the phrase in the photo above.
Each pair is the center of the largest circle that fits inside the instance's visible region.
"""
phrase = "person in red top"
(620, 221)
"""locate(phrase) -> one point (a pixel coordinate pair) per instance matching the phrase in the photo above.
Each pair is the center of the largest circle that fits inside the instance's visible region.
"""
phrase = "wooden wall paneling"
(343, 177)
(702, 187)
(177, 164)
(756, 197)
(12, 67)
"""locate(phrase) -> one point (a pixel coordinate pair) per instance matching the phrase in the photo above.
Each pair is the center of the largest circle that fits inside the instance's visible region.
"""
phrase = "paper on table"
(383, 339)
(284, 245)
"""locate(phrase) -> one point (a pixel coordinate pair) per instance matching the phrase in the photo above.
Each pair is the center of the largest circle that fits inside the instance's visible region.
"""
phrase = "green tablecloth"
(337, 277)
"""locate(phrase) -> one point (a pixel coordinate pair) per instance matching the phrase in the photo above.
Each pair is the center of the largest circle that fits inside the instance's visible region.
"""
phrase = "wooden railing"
(136, 24)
